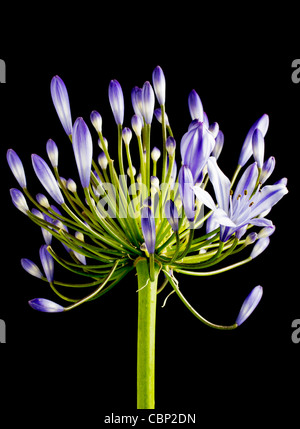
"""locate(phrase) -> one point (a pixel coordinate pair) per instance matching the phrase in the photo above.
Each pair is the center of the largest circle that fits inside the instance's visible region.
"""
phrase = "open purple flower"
(245, 205)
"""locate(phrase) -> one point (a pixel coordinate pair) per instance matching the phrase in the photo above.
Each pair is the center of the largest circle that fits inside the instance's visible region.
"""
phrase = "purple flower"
(260, 247)
(185, 179)
(136, 100)
(16, 167)
(31, 268)
(96, 120)
(195, 106)
(83, 151)
(47, 263)
(61, 103)
(116, 99)
(249, 305)
(148, 229)
(46, 177)
(52, 152)
(172, 214)
(45, 305)
(19, 200)
(196, 146)
(159, 83)
(148, 101)
(245, 205)
(247, 149)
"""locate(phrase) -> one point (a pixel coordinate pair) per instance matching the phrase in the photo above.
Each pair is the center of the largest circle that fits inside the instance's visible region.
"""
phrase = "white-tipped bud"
(154, 182)
(105, 142)
(155, 154)
(102, 160)
(71, 185)
(43, 200)
(133, 171)
(137, 125)
(126, 135)
(79, 236)
(96, 120)
(52, 152)
(266, 231)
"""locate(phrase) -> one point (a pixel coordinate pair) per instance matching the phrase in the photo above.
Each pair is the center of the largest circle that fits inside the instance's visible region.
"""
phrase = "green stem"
(147, 291)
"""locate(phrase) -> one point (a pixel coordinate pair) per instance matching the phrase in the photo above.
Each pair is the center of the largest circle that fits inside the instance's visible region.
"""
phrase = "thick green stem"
(147, 291)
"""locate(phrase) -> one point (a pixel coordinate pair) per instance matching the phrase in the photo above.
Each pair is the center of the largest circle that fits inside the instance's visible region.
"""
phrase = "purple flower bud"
(266, 231)
(171, 146)
(158, 115)
(116, 99)
(31, 268)
(185, 179)
(262, 124)
(267, 169)
(249, 304)
(45, 305)
(46, 177)
(16, 167)
(219, 145)
(259, 247)
(52, 152)
(137, 124)
(61, 103)
(159, 83)
(102, 161)
(148, 229)
(195, 106)
(136, 100)
(47, 263)
(258, 146)
(96, 120)
(172, 214)
(19, 200)
(148, 101)
(83, 151)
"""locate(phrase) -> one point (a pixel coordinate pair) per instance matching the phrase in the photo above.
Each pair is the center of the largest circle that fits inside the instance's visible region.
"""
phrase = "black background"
(89, 355)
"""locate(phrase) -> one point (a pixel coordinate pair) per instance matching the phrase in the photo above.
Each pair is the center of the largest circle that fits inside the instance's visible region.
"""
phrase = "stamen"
(239, 196)
(251, 204)
(245, 192)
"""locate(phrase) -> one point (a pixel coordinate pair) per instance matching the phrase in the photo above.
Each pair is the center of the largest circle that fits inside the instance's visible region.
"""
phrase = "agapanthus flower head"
(113, 222)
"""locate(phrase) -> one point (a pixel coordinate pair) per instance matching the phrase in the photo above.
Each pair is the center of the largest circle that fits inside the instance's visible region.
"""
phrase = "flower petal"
(220, 182)
(204, 197)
